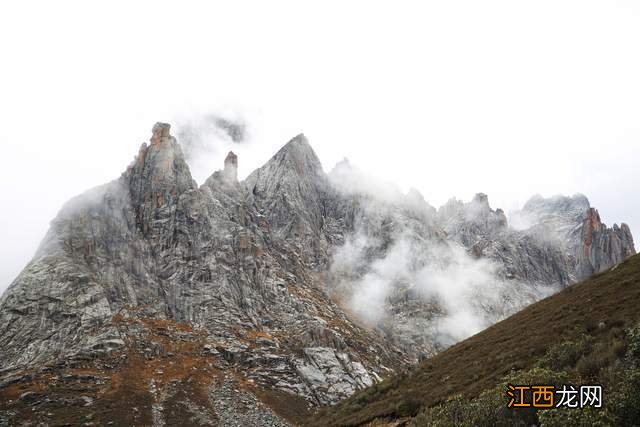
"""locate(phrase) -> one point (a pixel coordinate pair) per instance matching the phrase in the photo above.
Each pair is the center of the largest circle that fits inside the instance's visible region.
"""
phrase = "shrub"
(537, 375)
(624, 400)
(408, 407)
(589, 365)
(490, 408)
(566, 354)
(579, 418)
(633, 344)
(453, 412)
(617, 348)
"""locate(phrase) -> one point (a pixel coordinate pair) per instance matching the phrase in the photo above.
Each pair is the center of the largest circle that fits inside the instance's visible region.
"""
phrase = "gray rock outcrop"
(576, 227)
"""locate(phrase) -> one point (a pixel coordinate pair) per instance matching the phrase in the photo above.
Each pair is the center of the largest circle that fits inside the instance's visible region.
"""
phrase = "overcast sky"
(509, 98)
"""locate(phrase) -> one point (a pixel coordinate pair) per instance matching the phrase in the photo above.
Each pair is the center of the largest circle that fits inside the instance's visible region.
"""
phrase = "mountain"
(151, 263)
(589, 333)
(249, 303)
(572, 221)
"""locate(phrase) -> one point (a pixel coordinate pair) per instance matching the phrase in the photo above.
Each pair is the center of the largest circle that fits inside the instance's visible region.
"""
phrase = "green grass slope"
(587, 333)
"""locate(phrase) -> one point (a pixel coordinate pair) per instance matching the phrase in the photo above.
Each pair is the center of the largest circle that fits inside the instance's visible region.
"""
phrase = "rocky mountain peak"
(163, 157)
(295, 161)
(481, 199)
(291, 187)
(572, 221)
(558, 217)
(158, 177)
(231, 166)
(592, 220)
(298, 155)
(300, 140)
(224, 183)
(557, 205)
(160, 133)
(479, 210)
(471, 221)
(601, 247)
(221, 269)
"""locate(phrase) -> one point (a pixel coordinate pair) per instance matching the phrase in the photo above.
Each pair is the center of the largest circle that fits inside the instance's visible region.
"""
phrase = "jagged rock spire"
(601, 247)
(160, 133)
(482, 199)
(158, 177)
(231, 166)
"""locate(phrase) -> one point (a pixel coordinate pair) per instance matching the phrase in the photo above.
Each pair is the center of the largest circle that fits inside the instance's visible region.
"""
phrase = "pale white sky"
(510, 98)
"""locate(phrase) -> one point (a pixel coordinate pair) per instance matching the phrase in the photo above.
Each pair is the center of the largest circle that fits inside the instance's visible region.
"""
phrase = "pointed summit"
(231, 166)
(578, 204)
(291, 187)
(298, 155)
(161, 162)
(295, 162)
(224, 183)
(160, 132)
(158, 176)
(298, 140)
(481, 198)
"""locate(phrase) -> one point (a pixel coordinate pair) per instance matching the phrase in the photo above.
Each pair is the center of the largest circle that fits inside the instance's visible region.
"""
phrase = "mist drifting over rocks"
(207, 137)
(403, 252)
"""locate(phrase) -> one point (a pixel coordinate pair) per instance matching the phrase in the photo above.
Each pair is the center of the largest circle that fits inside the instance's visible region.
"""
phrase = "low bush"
(567, 354)
(576, 418)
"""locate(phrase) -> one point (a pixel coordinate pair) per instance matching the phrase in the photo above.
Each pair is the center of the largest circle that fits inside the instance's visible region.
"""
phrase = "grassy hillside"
(585, 334)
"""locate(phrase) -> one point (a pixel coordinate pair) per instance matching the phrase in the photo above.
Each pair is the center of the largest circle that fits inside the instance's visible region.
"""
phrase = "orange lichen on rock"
(253, 334)
(591, 224)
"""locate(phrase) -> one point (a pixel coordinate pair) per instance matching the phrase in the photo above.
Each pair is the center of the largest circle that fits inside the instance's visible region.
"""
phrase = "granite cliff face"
(571, 222)
(246, 303)
(601, 247)
(519, 255)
